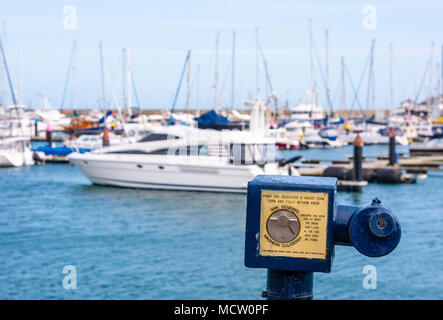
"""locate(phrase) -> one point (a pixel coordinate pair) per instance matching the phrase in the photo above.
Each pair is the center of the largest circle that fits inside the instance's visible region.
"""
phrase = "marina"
(115, 237)
(245, 161)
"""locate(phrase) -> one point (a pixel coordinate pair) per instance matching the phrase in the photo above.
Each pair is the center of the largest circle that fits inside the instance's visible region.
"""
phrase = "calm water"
(141, 244)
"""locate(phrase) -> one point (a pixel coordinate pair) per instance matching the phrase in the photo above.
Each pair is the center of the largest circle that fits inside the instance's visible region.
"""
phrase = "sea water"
(151, 244)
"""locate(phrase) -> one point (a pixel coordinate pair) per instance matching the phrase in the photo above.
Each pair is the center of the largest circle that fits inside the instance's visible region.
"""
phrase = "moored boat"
(183, 158)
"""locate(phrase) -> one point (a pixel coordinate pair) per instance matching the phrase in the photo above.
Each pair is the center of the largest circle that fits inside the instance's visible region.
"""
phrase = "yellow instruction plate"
(311, 215)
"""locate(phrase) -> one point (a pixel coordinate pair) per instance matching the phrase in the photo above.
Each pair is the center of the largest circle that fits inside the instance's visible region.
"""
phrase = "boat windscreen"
(157, 137)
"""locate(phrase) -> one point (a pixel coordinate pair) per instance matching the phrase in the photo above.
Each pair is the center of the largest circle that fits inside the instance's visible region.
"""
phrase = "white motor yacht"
(184, 158)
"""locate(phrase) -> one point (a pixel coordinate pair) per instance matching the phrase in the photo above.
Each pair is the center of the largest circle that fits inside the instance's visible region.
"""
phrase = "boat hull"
(10, 158)
(160, 173)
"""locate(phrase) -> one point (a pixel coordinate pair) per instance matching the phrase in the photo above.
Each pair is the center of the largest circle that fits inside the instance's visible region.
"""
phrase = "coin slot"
(283, 226)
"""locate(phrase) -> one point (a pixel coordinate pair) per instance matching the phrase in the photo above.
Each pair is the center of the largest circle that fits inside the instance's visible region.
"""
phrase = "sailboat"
(14, 151)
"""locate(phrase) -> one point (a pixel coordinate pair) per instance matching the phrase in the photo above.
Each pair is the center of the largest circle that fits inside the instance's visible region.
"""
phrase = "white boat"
(15, 152)
(373, 134)
(323, 138)
(184, 158)
(308, 112)
(284, 140)
(95, 141)
(432, 147)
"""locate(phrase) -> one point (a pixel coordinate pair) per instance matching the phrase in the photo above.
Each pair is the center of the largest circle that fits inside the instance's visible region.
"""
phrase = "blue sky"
(159, 33)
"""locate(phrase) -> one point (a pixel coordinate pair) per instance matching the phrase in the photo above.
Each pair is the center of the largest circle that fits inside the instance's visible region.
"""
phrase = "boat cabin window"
(182, 151)
(386, 131)
(13, 145)
(157, 137)
(252, 153)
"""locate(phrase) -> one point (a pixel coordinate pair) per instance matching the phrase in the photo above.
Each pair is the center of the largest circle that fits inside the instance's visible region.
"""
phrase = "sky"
(158, 35)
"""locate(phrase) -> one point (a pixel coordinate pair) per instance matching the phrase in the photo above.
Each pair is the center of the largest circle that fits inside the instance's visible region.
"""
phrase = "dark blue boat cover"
(211, 117)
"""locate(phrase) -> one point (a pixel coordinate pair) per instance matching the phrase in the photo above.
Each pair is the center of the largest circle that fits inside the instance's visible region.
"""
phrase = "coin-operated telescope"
(293, 224)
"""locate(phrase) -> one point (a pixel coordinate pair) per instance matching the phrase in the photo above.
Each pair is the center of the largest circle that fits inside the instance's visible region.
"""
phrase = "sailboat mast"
(373, 79)
(198, 90)
(431, 62)
(102, 71)
(328, 90)
(113, 94)
(188, 83)
(2, 50)
(391, 78)
(216, 70)
(20, 73)
(5, 64)
(343, 84)
(129, 81)
(177, 92)
(257, 64)
(74, 75)
(441, 71)
(311, 55)
(438, 83)
(233, 71)
(3, 76)
(65, 88)
(370, 76)
(124, 80)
